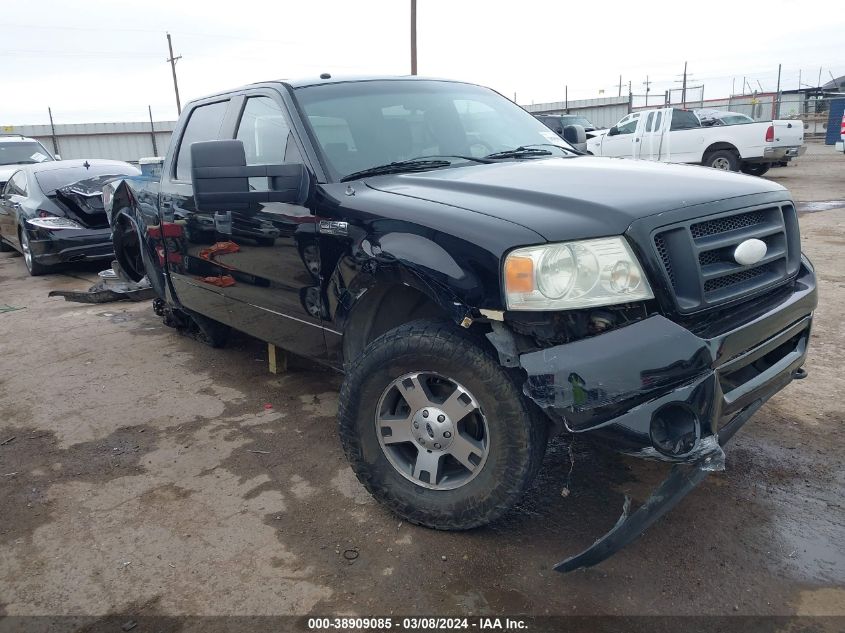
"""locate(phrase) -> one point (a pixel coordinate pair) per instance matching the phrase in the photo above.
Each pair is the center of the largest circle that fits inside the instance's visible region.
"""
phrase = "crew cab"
(481, 285)
(674, 135)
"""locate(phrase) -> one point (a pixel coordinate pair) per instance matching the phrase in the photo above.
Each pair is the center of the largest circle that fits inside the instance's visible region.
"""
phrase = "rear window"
(684, 120)
(53, 179)
(23, 153)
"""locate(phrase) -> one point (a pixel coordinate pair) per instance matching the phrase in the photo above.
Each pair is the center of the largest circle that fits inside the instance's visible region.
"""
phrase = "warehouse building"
(117, 141)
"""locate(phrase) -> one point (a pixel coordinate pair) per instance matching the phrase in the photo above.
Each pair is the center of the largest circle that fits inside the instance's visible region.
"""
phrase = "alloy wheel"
(432, 430)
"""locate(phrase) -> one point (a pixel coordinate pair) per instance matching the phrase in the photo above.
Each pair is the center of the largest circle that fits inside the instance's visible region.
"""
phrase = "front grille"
(698, 256)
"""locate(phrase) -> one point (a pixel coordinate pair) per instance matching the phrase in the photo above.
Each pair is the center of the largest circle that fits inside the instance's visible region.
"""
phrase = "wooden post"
(277, 359)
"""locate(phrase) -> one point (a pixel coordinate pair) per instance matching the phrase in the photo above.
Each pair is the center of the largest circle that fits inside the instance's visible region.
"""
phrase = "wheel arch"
(720, 145)
(125, 213)
(385, 304)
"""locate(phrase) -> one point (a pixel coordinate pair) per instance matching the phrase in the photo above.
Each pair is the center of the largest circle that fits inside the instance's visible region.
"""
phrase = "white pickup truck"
(673, 135)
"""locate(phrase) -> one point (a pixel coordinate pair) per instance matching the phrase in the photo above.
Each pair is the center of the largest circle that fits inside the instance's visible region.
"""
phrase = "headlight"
(574, 275)
(52, 222)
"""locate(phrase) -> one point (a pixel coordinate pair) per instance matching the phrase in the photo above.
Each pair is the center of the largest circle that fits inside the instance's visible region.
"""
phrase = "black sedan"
(53, 212)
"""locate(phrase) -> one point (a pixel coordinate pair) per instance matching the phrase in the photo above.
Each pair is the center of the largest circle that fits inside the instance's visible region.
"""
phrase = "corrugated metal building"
(603, 112)
(117, 141)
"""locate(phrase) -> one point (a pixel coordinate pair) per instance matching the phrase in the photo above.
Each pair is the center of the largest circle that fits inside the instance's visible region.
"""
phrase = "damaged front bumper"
(657, 390)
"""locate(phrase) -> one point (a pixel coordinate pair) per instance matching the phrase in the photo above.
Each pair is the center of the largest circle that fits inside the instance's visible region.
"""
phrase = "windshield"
(16, 153)
(53, 179)
(359, 125)
(577, 120)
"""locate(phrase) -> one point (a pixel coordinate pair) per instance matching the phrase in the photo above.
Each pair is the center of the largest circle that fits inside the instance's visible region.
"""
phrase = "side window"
(629, 126)
(204, 125)
(266, 134)
(684, 120)
(658, 120)
(17, 184)
(649, 122)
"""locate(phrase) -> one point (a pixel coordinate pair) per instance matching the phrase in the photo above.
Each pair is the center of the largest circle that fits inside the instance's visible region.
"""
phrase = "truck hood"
(574, 198)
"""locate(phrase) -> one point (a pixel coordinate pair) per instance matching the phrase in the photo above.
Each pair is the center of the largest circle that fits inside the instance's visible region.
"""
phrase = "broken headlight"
(573, 275)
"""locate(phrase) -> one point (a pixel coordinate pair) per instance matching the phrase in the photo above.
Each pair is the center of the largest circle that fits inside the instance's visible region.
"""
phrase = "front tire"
(436, 429)
(723, 159)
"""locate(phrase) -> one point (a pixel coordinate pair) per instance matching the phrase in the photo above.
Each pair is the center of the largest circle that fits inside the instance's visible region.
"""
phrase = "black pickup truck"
(481, 284)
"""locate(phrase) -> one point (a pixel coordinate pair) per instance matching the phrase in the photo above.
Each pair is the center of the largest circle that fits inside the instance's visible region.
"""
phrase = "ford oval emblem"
(750, 252)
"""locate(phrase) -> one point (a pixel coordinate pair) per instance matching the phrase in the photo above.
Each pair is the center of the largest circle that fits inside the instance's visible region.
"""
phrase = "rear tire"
(755, 169)
(35, 269)
(4, 248)
(724, 159)
(494, 439)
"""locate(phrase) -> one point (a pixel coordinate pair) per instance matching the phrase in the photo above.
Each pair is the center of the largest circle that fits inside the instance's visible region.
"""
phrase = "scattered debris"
(4, 442)
(128, 626)
(7, 308)
(443, 558)
(109, 288)
(268, 406)
(260, 452)
(350, 554)
(12, 474)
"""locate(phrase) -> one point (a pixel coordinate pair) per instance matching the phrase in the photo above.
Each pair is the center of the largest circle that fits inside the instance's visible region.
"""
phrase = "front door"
(10, 204)
(621, 144)
(273, 256)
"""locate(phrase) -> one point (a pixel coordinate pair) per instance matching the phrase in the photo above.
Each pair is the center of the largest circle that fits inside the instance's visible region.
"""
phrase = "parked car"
(566, 127)
(52, 211)
(481, 286)
(17, 150)
(673, 135)
(713, 116)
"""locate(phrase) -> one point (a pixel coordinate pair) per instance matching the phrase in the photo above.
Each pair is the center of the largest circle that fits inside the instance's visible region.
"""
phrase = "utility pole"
(413, 37)
(819, 82)
(799, 79)
(743, 85)
(777, 103)
(566, 96)
(152, 131)
(646, 83)
(684, 88)
(620, 85)
(53, 132)
(173, 61)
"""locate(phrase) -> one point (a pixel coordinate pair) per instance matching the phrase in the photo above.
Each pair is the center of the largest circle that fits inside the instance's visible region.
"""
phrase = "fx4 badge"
(332, 227)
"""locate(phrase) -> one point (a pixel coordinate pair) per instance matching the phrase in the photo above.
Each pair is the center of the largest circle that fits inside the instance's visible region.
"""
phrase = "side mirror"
(575, 134)
(613, 131)
(221, 176)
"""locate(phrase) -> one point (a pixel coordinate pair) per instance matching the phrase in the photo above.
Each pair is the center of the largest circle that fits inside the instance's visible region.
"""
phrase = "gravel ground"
(143, 473)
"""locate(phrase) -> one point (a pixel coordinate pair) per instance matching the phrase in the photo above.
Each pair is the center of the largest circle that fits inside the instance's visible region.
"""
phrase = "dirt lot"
(141, 472)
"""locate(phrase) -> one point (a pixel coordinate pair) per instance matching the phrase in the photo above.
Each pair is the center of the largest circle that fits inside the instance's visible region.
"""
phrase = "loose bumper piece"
(681, 480)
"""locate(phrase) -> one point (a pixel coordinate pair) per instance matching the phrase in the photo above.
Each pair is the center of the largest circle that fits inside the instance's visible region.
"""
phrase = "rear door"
(649, 135)
(187, 237)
